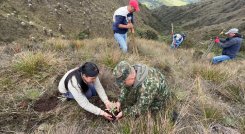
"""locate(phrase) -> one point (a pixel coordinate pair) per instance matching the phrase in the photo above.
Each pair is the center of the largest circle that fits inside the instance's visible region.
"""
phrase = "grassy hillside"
(210, 99)
(151, 4)
(67, 19)
(204, 19)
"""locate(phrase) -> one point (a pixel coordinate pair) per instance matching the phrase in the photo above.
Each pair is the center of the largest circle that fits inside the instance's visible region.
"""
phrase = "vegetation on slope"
(209, 98)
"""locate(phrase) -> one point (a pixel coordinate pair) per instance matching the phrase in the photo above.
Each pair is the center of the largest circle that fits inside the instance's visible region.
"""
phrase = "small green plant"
(125, 129)
(242, 124)
(83, 35)
(6, 83)
(229, 121)
(109, 62)
(113, 109)
(32, 94)
(213, 114)
(111, 58)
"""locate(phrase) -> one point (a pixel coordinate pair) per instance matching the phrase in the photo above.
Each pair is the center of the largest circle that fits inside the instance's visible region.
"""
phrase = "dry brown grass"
(207, 95)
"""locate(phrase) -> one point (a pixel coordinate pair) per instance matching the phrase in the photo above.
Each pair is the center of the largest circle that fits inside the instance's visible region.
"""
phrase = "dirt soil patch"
(46, 102)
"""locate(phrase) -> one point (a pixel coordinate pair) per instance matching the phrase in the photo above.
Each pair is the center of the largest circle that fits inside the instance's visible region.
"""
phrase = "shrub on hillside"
(188, 43)
(147, 34)
(84, 34)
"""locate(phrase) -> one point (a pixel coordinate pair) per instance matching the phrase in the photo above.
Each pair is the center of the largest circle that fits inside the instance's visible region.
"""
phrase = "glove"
(217, 40)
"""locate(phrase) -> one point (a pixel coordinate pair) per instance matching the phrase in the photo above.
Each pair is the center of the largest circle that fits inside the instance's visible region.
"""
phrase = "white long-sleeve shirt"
(79, 96)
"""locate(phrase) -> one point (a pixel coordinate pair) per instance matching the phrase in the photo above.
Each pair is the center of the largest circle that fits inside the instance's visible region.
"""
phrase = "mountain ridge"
(204, 16)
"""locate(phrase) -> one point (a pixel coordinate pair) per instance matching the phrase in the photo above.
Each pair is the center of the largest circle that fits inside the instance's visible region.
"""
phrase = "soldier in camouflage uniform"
(143, 89)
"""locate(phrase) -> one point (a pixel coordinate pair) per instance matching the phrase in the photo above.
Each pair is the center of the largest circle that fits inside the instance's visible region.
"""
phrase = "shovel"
(133, 43)
(211, 45)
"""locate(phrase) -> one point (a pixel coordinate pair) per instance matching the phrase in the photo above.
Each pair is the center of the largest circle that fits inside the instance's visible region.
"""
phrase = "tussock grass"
(110, 58)
(157, 124)
(57, 44)
(31, 63)
(5, 83)
(210, 73)
(232, 92)
(76, 44)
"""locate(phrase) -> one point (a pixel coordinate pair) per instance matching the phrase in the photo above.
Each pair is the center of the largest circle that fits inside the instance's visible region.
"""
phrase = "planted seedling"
(113, 111)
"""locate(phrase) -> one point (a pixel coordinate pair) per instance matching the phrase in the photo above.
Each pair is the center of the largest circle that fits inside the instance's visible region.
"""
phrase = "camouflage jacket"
(148, 95)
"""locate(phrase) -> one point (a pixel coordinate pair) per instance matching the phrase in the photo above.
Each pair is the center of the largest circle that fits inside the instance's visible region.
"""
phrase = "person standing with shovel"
(122, 21)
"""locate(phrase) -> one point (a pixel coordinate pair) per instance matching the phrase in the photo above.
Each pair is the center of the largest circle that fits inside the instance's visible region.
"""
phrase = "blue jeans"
(122, 41)
(91, 92)
(221, 58)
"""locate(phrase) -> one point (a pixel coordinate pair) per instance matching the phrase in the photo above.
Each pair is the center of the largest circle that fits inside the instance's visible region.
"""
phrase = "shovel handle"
(132, 30)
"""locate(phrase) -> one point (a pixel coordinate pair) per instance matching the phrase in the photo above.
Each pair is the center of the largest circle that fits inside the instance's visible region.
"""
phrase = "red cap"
(134, 4)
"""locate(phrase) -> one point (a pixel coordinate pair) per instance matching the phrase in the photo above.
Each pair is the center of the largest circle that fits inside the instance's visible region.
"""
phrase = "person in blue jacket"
(122, 21)
(230, 46)
(177, 40)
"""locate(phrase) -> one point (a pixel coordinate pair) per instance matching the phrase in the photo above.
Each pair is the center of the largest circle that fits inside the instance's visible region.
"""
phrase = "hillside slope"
(209, 99)
(157, 3)
(205, 16)
(20, 19)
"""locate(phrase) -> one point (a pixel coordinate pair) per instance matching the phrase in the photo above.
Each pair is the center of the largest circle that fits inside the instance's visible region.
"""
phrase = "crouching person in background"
(177, 40)
(82, 83)
(143, 89)
(230, 46)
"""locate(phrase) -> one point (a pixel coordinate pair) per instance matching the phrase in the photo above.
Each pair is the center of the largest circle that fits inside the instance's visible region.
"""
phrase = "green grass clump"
(58, 44)
(6, 83)
(210, 74)
(152, 124)
(32, 94)
(232, 92)
(76, 44)
(212, 114)
(242, 124)
(110, 58)
(109, 62)
(147, 34)
(83, 34)
(32, 63)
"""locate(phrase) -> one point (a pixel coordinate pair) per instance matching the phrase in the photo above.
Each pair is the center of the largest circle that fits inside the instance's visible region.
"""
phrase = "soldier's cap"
(121, 71)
